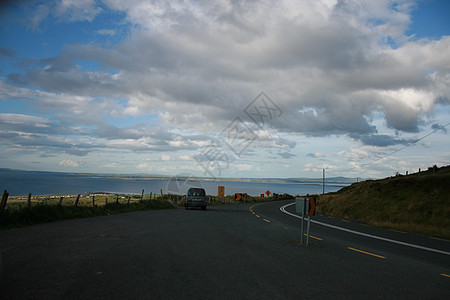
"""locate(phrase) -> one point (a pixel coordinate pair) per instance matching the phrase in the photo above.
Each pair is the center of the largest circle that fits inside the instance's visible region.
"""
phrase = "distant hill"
(418, 203)
(143, 176)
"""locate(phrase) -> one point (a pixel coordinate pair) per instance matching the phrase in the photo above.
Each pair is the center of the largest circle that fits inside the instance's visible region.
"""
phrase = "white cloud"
(40, 14)
(145, 166)
(325, 58)
(186, 69)
(316, 155)
(185, 158)
(69, 163)
(77, 10)
(110, 32)
(165, 157)
(111, 165)
(244, 167)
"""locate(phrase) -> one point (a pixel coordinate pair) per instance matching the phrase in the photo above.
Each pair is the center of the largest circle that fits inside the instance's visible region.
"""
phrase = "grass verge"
(418, 203)
(47, 208)
(41, 213)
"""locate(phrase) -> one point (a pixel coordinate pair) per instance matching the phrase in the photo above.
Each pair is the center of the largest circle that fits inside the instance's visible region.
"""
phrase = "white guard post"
(302, 207)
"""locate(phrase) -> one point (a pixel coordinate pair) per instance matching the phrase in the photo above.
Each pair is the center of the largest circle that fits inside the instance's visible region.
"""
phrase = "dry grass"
(48, 208)
(417, 203)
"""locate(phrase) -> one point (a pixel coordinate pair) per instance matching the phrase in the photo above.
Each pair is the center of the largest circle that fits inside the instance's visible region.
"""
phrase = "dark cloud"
(382, 140)
(6, 52)
(197, 66)
(439, 127)
(315, 155)
(14, 123)
(329, 66)
(285, 154)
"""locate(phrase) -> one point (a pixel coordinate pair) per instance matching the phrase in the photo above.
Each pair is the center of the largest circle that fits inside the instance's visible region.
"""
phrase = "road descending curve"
(224, 252)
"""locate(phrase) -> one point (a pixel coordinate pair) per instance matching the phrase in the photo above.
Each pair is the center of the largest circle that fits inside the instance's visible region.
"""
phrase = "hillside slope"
(417, 203)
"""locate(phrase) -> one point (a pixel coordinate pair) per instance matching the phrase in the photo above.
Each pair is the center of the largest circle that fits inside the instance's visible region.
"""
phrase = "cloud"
(110, 165)
(165, 157)
(383, 140)
(286, 154)
(439, 127)
(40, 13)
(145, 166)
(316, 155)
(69, 163)
(343, 77)
(243, 167)
(6, 52)
(110, 32)
(340, 68)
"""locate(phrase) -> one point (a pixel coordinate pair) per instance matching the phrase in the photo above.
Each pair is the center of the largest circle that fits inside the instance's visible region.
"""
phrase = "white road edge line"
(283, 209)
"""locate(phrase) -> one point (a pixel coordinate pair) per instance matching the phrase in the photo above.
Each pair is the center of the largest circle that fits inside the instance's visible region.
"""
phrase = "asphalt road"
(219, 253)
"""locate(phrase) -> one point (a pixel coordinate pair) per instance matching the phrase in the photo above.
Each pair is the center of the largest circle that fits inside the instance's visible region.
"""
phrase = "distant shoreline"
(342, 180)
(20, 183)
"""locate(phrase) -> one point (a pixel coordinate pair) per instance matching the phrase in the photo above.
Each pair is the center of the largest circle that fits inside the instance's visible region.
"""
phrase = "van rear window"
(196, 192)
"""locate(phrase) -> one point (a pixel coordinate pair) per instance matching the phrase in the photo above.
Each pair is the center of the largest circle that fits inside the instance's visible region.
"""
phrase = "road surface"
(253, 252)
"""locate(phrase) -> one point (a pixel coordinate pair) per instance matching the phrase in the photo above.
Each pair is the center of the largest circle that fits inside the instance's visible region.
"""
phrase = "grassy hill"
(417, 203)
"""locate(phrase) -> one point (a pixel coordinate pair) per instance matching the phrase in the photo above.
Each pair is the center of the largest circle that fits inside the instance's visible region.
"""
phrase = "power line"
(395, 151)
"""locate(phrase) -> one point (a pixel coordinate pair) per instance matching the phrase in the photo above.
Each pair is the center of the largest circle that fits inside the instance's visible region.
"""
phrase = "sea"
(20, 183)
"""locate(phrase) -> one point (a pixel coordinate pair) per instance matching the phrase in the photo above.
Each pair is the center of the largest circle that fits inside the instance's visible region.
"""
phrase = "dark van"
(196, 197)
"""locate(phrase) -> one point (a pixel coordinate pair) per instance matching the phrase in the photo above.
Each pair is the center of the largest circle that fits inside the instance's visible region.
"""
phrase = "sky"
(249, 89)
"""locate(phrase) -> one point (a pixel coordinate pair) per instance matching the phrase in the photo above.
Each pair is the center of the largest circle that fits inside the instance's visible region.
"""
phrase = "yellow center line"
(445, 275)
(266, 220)
(314, 237)
(345, 220)
(257, 216)
(368, 253)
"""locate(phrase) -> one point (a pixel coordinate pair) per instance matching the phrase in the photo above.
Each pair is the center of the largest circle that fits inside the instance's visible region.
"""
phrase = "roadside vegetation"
(19, 214)
(41, 209)
(418, 203)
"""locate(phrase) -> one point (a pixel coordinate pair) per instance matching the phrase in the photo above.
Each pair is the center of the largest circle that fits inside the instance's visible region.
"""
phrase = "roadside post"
(300, 207)
(309, 223)
(305, 205)
(237, 198)
(311, 201)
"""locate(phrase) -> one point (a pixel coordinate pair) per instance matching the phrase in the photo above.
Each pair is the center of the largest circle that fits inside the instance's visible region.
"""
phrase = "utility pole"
(323, 182)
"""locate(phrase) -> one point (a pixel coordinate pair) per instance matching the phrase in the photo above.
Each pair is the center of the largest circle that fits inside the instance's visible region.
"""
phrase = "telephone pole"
(323, 182)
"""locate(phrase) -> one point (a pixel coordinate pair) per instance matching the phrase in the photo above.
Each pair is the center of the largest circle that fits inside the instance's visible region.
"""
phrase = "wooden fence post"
(4, 200)
(128, 202)
(106, 201)
(150, 196)
(60, 200)
(76, 201)
(93, 201)
(29, 200)
(117, 199)
(142, 195)
(161, 195)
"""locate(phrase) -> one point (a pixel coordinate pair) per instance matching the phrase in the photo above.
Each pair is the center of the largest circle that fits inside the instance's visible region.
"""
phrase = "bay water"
(20, 183)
